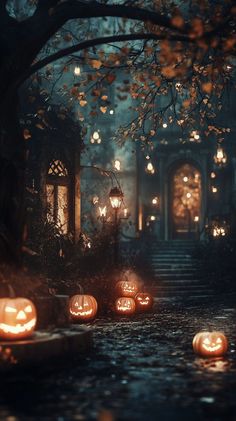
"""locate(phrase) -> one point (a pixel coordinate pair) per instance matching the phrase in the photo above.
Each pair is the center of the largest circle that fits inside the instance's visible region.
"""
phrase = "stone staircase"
(175, 272)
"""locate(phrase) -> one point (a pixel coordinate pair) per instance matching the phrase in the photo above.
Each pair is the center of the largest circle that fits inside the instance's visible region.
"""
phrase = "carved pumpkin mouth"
(211, 348)
(15, 330)
(81, 313)
(144, 303)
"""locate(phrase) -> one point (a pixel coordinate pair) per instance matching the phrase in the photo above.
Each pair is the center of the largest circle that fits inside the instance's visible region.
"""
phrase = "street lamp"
(116, 197)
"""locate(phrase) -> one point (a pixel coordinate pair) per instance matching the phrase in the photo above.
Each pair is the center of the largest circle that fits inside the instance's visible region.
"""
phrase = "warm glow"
(102, 211)
(116, 197)
(214, 189)
(219, 231)
(95, 138)
(111, 112)
(95, 200)
(125, 213)
(155, 201)
(188, 195)
(152, 218)
(164, 125)
(185, 179)
(213, 174)
(196, 218)
(77, 71)
(220, 157)
(117, 165)
(150, 168)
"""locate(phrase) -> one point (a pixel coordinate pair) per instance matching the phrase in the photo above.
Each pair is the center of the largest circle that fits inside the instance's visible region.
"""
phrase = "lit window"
(57, 195)
(77, 71)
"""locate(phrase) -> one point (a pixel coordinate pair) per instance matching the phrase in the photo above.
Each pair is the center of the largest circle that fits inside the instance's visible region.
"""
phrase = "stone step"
(175, 282)
(184, 292)
(174, 276)
(174, 270)
(169, 260)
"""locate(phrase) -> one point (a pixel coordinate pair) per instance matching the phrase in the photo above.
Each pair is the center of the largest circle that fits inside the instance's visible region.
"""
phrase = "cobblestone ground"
(140, 369)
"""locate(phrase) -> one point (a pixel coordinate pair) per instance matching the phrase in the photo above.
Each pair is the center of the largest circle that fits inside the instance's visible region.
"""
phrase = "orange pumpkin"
(143, 301)
(127, 288)
(210, 344)
(83, 307)
(125, 305)
(17, 318)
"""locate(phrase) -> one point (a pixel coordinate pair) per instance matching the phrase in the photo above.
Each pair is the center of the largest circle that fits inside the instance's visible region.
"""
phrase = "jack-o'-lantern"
(127, 288)
(210, 344)
(125, 305)
(83, 307)
(17, 318)
(144, 301)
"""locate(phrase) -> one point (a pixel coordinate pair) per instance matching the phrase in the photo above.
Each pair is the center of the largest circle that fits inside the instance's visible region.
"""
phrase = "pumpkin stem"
(11, 290)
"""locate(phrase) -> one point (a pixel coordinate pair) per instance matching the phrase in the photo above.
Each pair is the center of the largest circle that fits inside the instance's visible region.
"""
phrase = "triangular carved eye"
(28, 309)
(9, 309)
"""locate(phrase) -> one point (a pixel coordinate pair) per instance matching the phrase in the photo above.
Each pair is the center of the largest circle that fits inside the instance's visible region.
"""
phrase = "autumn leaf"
(27, 134)
(82, 102)
(103, 109)
(207, 87)
(96, 64)
(186, 103)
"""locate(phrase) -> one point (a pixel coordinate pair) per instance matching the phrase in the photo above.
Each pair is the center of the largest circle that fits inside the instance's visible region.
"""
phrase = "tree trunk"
(12, 180)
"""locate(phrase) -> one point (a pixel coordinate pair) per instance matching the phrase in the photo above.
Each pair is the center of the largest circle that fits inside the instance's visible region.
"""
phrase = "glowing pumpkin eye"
(28, 309)
(219, 341)
(207, 341)
(10, 309)
(147, 298)
(76, 304)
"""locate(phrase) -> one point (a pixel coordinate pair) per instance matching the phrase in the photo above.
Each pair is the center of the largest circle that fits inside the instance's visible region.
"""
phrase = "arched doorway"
(185, 203)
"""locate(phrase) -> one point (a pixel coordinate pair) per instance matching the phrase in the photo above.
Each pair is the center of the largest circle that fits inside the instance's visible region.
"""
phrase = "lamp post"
(116, 197)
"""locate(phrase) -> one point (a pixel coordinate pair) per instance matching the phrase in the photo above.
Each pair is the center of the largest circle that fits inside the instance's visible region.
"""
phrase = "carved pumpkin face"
(210, 344)
(83, 307)
(144, 301)
(17, 318)
(127, 288)
(125, 305)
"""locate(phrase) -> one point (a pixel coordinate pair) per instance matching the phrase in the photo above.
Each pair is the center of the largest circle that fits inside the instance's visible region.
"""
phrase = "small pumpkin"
(143, 301)
(83, 307)
(125, 305)
(17, 318)
(210, 344)
(127, 288)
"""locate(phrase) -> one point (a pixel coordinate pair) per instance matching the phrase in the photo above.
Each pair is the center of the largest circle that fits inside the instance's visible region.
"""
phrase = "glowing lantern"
(127, 288)
(83, 307)
(125, 305)
(116, 197)
(77, 71)
(17, 318)
(220, 157)
(144, 301)
(210, 344)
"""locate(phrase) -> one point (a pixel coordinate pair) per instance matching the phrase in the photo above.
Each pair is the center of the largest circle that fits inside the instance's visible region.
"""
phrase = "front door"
(185, 202)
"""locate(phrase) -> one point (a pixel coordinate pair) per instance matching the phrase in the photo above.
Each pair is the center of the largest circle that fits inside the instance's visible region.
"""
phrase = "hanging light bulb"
(220, 157)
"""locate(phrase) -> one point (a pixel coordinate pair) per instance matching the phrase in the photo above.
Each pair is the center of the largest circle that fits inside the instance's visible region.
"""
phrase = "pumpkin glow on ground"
(140, 368)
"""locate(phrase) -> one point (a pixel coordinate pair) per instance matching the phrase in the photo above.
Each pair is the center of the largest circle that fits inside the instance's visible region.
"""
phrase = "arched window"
(57, 193)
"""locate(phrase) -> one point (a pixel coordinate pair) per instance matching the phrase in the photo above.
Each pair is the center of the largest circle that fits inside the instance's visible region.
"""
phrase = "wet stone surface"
(140, 369)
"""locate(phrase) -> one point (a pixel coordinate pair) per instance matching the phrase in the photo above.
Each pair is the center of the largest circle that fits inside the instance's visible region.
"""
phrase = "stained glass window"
(57, 168)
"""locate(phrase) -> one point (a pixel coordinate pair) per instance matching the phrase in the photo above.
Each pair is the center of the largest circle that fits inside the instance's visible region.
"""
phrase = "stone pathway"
(140, 369)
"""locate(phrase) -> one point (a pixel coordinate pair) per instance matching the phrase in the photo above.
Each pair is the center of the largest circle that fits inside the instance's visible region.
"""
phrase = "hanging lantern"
(17, 318)
(116, 197)
(220, 157)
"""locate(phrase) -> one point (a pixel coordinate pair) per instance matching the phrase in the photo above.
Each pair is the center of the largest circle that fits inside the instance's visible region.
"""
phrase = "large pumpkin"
(143, 301)
(17, 318)
(125, 305)
(83, 307)
(210, 344)
(127, 288)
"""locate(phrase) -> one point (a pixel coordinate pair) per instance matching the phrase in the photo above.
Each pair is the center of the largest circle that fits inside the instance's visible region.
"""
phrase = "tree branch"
(92, 43)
